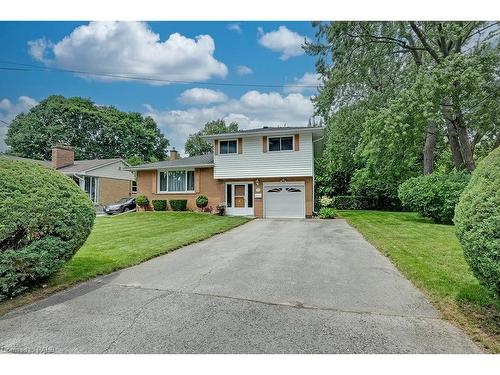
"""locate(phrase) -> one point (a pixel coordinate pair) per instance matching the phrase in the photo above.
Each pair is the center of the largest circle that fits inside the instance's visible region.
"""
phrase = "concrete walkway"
(269, 286)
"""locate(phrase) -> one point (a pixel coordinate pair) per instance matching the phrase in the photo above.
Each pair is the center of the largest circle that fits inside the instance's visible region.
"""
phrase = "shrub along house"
(265, 172)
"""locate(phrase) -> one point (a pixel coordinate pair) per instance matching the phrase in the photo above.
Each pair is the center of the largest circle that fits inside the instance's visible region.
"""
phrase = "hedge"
(178, 204)
(159, 204)
(349, 202)
(44, 219)
(477, 220)
(142, 201)
(435, 195)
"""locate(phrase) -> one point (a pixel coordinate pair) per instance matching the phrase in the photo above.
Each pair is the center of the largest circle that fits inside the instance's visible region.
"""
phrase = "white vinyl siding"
(254, 163)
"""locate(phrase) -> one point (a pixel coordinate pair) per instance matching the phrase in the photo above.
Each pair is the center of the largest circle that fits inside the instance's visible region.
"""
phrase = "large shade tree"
(427, 90)
(196, 145)
(94, 131)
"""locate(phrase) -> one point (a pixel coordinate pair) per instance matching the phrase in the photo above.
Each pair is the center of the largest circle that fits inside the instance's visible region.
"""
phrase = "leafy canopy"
(94, 131)
(196, 145)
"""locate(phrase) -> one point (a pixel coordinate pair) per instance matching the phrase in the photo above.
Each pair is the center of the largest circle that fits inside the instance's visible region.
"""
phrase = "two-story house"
(266, 172)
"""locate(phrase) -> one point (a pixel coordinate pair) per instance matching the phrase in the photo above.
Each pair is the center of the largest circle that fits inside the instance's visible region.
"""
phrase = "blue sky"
(206, 52)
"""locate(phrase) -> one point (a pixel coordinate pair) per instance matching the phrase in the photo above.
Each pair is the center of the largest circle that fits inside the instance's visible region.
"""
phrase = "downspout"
(314, 178)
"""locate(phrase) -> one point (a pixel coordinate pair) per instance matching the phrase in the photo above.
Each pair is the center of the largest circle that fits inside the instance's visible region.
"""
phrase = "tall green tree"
(196, 145)
(94, 131)
(428, 89)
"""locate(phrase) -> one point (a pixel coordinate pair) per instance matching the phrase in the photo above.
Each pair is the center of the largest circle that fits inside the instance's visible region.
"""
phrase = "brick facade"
(213, 189)
(111, 190)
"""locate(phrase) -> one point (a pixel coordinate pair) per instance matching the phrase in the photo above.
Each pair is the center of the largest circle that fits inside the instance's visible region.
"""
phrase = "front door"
(239, 198)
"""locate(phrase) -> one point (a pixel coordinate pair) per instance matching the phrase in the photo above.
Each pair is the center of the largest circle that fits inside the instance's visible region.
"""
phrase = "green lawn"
(430, 256)
(121, 241)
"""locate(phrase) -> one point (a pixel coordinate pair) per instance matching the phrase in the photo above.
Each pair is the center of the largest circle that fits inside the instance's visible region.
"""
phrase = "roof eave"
(263, 132)
(154, 168)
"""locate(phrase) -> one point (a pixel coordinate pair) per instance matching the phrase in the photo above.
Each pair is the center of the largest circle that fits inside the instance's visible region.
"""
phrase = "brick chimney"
(174, 154)
(62, 156)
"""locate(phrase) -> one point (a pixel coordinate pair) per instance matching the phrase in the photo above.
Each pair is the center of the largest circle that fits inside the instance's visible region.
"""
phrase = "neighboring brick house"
(266, 172)
(104, 180)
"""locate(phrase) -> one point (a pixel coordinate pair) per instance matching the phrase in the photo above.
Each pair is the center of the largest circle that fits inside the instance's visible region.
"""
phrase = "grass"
(431, 257)
(122, 241)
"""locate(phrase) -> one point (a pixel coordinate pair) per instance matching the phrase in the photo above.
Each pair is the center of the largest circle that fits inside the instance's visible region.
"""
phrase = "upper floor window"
(228, 147)
(176, 181)
(281, 143)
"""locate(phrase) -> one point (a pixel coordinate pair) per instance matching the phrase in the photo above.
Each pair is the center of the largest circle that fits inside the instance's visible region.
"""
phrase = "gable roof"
(199, 161)
(41, 162)
(80, 166)
(266, 130)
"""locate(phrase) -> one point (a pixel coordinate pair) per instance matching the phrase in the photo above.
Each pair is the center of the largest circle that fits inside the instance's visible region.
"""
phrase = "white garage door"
(284, 200)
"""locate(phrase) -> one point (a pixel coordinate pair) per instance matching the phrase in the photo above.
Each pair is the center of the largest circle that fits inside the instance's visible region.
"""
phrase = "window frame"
(280, 137)
(227, 140)
(185, 170)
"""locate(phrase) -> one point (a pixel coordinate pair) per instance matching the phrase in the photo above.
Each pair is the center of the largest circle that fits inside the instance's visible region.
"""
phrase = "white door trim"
(240, 211)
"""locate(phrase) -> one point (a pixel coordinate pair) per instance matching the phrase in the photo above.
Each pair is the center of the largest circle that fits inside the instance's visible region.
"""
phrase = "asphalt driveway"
(269, 286)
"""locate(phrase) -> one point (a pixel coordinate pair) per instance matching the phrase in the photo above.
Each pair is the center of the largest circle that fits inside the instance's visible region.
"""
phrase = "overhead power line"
(20, 67)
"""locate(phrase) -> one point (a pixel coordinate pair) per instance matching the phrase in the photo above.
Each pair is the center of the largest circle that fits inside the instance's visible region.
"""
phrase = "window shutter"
(296, 142)
(240, 145)
(264, 144)
(216, 147)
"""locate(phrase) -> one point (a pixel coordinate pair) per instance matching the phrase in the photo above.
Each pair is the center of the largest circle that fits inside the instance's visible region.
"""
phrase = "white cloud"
(287, 42)
(234, 27)
(202, 96)
(302, 84)
(131, 48)
(253, 109)
(243, 70)
(9, 110)
(38, 48)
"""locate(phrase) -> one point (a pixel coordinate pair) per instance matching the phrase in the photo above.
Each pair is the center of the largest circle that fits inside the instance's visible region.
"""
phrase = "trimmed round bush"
(201, 201)
(477, 221)
(44, 219)
(159, 204)
(178, 204)
(142, 201)
(435, 195)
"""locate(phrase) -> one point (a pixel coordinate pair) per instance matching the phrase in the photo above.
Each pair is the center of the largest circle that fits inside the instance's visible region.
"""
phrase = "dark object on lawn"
(45, 218)
(434, 195)
(201, 202)
(477, 220)
(123, 205)
(178, 204)
(142, 201)
(221, 209)
(159, 204)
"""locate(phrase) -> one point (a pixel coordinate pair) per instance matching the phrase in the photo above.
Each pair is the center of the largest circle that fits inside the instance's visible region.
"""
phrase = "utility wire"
(135, 76)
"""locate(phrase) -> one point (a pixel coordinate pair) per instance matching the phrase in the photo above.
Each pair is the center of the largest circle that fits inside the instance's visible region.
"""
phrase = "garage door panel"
(285, 201)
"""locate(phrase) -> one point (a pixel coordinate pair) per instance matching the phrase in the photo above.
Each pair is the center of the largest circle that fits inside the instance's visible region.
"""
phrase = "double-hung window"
(176, 181)
(228, 147)
(281, 143)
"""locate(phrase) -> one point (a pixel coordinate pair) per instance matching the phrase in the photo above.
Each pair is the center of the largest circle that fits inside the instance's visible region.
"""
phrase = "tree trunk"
(430, 148)
(456, 155)
(465, 147)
